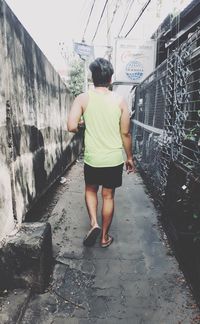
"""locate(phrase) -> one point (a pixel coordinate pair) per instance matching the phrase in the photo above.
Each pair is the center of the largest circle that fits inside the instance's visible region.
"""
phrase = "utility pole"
(108, 31)
(85, 70)
(85, 76)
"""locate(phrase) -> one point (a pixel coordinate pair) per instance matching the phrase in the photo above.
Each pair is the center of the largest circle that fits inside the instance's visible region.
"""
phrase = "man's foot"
(108, 242)
(91, 236)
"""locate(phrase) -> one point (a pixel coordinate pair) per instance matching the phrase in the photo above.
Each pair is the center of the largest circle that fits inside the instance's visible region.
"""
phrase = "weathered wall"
(35, 146)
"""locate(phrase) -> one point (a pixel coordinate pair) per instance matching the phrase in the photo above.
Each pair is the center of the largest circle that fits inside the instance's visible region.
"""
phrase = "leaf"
(195, 216)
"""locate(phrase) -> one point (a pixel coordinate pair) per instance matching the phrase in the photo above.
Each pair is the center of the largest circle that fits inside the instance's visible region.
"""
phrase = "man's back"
(103, 143)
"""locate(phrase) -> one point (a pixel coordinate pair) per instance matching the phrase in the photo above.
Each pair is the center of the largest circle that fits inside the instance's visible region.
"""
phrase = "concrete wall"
(35, 147)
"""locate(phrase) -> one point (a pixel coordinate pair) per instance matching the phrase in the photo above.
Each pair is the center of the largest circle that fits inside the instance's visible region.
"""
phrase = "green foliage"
(76, 82)
(195, 216)
(194, 133)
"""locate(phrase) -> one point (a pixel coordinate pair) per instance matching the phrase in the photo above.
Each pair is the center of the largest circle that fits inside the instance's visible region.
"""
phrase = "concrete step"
(26, 259)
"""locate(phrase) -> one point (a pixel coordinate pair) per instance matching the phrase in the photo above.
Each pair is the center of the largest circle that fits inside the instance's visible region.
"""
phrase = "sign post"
(85, 52)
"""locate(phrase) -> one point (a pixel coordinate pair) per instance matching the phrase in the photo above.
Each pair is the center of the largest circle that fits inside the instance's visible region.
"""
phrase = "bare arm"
(126, 136)
(75, 115)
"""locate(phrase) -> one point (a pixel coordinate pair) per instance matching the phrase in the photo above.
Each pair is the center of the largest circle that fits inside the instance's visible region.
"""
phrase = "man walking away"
(107, 131)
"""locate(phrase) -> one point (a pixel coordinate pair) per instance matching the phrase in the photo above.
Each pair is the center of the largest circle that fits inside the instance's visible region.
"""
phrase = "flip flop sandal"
(109, 241)
(91, 236)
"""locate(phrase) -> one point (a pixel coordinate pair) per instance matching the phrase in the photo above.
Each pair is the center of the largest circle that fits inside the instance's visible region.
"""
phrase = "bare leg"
(92, 203)
(107, 211)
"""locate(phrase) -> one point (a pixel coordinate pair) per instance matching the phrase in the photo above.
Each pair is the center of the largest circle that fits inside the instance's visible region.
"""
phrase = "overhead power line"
(88, 20)
(140, 14)
(128, 11)
(114, 13)
(100, 20)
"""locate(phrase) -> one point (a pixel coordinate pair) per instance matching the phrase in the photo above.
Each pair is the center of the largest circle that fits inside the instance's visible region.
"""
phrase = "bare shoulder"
(82, 99)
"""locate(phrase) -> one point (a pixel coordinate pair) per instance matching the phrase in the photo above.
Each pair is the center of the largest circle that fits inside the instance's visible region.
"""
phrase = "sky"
(56, 24)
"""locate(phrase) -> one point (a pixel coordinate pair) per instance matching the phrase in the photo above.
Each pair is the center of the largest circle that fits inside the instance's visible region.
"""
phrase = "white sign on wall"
(134, 60)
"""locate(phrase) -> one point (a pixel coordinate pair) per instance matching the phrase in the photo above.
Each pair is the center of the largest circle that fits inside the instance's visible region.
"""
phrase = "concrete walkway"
(135, 280)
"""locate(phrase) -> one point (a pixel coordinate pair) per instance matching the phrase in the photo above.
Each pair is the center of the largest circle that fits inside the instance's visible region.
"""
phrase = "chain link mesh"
(166, 126)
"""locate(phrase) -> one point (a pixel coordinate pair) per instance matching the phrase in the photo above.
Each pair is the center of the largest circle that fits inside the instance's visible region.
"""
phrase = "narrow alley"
(125, 76)
(136, 280)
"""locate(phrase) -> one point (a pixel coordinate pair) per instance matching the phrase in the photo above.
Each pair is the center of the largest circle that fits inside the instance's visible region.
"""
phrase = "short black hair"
(102, 71)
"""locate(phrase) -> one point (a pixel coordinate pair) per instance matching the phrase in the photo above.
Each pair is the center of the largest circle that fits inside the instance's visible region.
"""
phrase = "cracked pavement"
(136, 280)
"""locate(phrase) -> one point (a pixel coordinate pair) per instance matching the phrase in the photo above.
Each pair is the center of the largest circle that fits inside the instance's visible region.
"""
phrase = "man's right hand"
(130, 166)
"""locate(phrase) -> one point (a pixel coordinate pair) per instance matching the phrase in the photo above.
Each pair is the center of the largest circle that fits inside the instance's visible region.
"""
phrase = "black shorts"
(108, 177)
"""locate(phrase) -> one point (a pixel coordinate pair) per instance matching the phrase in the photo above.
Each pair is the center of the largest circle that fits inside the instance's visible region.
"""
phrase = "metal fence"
(186, 112)
(167, 116)
(166, 137)
(148, 127)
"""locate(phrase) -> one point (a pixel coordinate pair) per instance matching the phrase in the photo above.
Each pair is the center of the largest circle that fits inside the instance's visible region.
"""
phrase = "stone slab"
(26, 259)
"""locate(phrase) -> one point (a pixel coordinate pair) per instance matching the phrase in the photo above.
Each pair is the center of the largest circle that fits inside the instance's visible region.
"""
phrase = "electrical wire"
(128, 11)
(88, 19)
(104, 18)
(114, 13)
(100, 20)
(140, 14)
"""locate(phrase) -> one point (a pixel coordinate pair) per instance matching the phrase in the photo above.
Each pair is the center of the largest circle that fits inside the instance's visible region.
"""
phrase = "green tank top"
(103, 143)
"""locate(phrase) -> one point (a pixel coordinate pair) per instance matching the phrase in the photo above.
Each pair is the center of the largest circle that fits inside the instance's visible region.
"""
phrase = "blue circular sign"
(134, 70)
